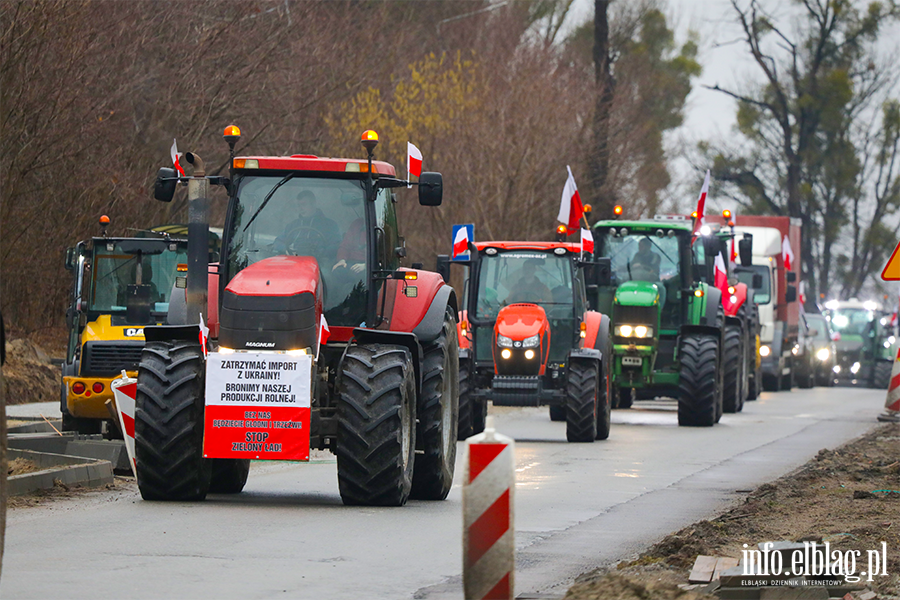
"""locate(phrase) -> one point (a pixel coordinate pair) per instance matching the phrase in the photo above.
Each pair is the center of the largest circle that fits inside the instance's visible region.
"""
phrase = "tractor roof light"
(727, 214)
(731, 290)
(731, 223)
(694, 214)
(561, 233)
(232, 134)
(617, 210)
(587, 209)
(104, 223)
(369, 140)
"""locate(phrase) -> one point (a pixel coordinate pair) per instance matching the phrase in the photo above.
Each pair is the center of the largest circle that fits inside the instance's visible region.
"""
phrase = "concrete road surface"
(578, 506)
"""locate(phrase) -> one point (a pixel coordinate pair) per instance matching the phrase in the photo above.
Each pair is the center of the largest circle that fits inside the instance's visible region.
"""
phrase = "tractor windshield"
(763, 294)
(851, 321)
(287, 214)
(113, 270)
(642, 257)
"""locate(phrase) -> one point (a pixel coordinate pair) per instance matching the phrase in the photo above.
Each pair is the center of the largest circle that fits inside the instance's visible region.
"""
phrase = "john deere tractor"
(668, 319)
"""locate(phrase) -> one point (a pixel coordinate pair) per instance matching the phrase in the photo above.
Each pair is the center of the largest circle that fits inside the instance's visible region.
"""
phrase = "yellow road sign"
(891, 270)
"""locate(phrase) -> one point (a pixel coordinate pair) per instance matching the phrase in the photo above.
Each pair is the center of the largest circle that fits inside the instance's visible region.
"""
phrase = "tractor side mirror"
(431, 189)
(70, 259)
(164, 188)
(597, 273)
(745, 249)
(757, 282)
(790, 293)
(443, 267)
(791, 277)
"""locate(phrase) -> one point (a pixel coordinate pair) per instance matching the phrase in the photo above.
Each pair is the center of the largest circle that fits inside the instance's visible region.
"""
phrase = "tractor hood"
(637, 293)
(520, 321)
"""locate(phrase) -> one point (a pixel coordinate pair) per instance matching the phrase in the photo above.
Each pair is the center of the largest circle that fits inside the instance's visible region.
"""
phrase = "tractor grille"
(109, 358)
(634, 315)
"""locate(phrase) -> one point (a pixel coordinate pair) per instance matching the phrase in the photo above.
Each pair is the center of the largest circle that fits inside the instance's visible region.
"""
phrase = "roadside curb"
(67, 470)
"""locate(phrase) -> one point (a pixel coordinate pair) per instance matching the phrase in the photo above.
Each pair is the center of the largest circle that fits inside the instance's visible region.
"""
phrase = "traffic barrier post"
(488, 516)
(125, 391)
(892, 402)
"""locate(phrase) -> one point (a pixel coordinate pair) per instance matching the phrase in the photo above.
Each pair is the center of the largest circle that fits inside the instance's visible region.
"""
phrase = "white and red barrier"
(125, 390)
(892, 403)
(488, 532)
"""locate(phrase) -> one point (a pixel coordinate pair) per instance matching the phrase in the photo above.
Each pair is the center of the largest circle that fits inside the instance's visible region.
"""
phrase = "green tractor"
(671, 334)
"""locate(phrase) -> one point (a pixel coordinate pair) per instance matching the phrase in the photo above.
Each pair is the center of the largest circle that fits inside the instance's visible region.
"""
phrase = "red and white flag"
(587, 241)
(786, 253)
(204, 335)
(734, 253)
(461, 242)
(570, 207)
(324, 334)
(413, 160)
(701, 204)
(721, 274)
(175, 157)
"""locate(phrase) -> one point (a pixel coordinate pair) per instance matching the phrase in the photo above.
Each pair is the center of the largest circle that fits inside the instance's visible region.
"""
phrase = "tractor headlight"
(638, 331)
(823, 354)
(504, 342)
(764, 350)
(529, 354)
(506, 353)
(531, 342)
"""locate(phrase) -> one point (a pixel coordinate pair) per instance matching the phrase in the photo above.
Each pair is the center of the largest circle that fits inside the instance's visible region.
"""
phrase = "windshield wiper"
(268, 197)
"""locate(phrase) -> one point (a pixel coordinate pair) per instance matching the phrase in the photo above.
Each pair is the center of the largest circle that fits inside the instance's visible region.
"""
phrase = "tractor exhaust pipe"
(197, 291)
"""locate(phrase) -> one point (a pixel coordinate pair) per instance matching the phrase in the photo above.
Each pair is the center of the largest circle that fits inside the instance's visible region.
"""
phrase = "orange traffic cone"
(891, 412)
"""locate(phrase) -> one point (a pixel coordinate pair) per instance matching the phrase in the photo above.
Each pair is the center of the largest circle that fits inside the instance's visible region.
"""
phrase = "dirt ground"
(28, 375)
(849, 497)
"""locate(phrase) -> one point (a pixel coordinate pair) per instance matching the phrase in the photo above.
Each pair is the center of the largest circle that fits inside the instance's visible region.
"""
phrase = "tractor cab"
(119, 285)
(528, 338)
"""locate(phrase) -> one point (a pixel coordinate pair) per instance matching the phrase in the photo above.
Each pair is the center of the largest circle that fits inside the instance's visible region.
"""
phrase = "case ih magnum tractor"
(119, 285)
(527, 337)
(318, 339)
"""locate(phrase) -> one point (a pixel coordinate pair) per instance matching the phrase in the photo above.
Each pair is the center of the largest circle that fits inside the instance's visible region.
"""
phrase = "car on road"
(823, 348)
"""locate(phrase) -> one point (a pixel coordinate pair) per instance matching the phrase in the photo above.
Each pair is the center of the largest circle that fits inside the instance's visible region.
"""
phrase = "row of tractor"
(296, 329)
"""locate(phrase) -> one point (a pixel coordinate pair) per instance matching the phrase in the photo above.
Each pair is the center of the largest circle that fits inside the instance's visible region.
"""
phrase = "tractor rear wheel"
(168, 422)
(472, 413)
(376, 439)
(229, 475)
(438, 412)
(700, 394)
(881, 375)
(603, 396)
(557, 412)
(733, 366)
(582, 390)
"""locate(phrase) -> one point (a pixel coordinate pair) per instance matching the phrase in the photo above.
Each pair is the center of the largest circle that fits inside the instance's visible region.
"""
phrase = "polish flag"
(587, 241)
(413, 160)
(461, 243)
(570, 208)
(204, 335)
(175, 156)
(786, 253)
(734, 253)
(721, 274)
(324, 334)
(701, 204)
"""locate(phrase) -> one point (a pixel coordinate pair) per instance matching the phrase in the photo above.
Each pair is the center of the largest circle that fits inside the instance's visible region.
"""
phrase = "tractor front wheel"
(376, 440)
(438, 412)
(472, 413)
(168, 422)
(700, 394)
(581, 402)
(881, 375)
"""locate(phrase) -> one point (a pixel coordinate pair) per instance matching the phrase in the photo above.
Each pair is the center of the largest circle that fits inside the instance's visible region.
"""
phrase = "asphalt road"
(577, 506)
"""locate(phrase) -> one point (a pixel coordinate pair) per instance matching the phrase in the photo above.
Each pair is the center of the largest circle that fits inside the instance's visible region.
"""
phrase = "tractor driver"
(645, 261)
(529, 288)
(312, 233)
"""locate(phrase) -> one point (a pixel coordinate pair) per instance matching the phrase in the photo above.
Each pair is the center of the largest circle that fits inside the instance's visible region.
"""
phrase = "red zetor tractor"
(318, 339)
(527, 337)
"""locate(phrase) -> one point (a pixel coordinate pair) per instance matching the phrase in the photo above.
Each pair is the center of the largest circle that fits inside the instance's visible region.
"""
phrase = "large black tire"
(557, 412)
(787, 381)
(168, 422)
(699, 385)
(376, 439)
(733, 367)
(881, 375)
(229, 475)
(754, 381)
(438, 413)
(582, 390)
(472, 413)
(623, 397)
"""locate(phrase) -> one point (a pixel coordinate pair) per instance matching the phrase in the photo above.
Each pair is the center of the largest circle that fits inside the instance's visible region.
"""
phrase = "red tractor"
(527, 337)
(317, 338)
